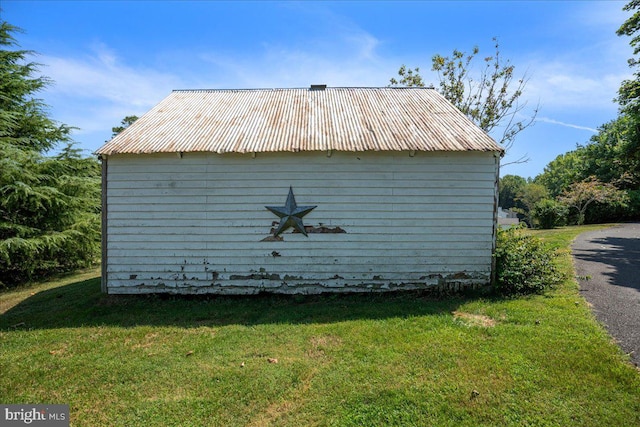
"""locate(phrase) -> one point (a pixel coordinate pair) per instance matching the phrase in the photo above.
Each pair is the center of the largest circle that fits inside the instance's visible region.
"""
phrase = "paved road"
(608, 266)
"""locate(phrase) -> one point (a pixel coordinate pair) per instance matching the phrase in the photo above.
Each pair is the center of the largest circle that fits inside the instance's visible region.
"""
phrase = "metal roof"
(316, 119)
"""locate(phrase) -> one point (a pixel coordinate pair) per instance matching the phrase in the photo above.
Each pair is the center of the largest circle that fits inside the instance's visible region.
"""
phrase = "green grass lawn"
(351, 360)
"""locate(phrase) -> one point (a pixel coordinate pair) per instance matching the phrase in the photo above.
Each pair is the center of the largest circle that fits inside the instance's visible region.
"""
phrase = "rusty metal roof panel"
(269, 120)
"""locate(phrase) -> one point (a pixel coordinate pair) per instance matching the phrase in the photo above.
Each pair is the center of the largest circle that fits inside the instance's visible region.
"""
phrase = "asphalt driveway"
(607, 263)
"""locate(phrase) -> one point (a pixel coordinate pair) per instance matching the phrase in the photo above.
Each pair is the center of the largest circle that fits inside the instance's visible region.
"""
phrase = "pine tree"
(49, 206)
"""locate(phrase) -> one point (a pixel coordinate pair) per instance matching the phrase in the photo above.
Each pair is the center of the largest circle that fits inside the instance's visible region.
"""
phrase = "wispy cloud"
(350, 59)
(586, 78)
(96, 90)
(93, 92)
(100, 75)
(602, 14)
(569, 125)
(563, 83)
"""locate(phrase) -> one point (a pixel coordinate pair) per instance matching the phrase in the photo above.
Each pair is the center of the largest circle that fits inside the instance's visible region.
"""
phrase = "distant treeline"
(596, 182)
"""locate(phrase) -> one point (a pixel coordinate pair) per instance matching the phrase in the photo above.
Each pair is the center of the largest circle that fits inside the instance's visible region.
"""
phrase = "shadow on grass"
(82, 304)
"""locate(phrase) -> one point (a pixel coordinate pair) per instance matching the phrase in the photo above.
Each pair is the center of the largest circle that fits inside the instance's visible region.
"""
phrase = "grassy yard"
(352, 360)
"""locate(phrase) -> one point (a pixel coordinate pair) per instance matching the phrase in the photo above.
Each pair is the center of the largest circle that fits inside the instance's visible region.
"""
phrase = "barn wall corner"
(103, 286)
(496, 201)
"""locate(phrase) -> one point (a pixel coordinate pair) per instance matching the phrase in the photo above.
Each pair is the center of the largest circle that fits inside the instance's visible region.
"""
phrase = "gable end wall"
(198, 223)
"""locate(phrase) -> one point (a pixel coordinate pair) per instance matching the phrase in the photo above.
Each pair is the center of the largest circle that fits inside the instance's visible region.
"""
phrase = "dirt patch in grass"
(471, 319)
(321, 344)
(291, 403)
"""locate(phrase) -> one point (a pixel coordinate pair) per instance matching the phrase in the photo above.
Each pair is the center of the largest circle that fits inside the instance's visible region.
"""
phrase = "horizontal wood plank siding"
(197, 223)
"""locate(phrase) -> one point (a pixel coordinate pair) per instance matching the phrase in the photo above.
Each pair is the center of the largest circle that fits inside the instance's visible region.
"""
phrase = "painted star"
(290, 214)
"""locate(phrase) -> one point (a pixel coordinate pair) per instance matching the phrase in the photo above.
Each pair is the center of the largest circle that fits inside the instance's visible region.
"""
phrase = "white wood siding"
(196, 224)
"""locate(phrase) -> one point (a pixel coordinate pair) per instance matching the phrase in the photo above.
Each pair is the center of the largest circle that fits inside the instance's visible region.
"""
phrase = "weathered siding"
(196, 223)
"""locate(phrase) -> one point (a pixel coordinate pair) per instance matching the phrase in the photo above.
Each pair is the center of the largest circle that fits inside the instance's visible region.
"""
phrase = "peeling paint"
(255, 276)
(309, 229)
(242, 285)
(260, 280)
(431, 276)
(322, 229)
(460, 275)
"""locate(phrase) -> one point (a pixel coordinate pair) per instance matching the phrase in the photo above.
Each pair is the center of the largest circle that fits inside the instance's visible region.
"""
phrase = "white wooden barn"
(299, 191)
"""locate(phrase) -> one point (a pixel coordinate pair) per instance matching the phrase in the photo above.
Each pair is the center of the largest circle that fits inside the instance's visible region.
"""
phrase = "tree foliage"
(580, 195)
(491, 99)
(125, 123)
(613, 155)
(629, 92)
(511, 188)
(549, 213)
(408, 77)
(49, 206)
(561, 172)
(530, 195)
(22, 119)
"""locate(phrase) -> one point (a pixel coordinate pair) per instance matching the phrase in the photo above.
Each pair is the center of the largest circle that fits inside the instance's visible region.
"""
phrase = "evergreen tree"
(125, 123)
(49, 206)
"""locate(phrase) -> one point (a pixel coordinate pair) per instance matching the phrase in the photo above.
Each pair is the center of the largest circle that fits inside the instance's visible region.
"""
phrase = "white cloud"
(588, 77)
(569, 82)
(94, 92)
(363, 45)
(558, 89)
(602, 14)
(101, 76)
(347, 60)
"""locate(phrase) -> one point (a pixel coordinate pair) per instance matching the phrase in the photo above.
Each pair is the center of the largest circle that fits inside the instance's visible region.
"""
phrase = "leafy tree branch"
(492, 99)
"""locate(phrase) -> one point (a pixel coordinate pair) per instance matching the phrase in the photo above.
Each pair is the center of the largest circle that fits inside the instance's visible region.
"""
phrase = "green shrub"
(549, 213)
(524, 265)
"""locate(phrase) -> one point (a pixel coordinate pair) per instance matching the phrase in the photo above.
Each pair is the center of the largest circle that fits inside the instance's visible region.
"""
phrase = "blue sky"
(113, 59)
